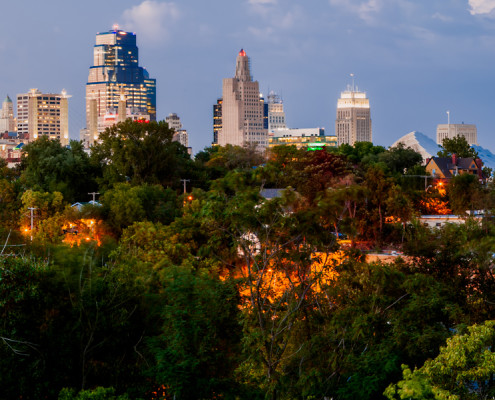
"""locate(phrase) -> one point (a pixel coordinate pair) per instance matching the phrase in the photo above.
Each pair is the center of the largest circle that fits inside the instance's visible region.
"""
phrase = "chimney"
(454, 159)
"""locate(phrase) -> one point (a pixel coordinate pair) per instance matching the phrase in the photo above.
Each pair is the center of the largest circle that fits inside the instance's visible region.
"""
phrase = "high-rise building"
(180, 135)
(217, 120)
(353, 123)
(7, 120)
(450, 131)
(43, 114)
(173, 122)
(242, 109)
(275, 114)
(116, 74)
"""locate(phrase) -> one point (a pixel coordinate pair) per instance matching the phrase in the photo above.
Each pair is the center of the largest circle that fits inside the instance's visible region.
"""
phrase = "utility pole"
(94, 196)
(184, 181)
(32, 209)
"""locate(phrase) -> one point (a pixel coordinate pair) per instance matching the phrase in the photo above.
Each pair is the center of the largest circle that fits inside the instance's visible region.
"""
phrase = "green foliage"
(126, 204)
(457, 145)
(464, 193)
(140, 153)
(364, 153)
(73, 323)
(48, 166)
(464, 369)
(400, 159)
(100, 393)
(197, 349)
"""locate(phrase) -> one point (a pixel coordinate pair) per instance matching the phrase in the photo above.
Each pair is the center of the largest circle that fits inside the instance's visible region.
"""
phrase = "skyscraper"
(450, 131)
(242, 109)
(43, 114)
(116, 74)
(276, 114)
(217, 120)
(353, 123)
(7, 120)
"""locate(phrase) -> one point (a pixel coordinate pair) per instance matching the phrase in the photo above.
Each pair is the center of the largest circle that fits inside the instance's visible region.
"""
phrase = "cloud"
(366, 10)
(150, 19)
(262, 7)
(481, 6)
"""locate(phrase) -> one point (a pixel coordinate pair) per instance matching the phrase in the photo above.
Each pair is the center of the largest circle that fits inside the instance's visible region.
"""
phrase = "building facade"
(217, 120)
(450, 131)
(276, 114)
(242, 112)
(116, 75)
(310, 138)
(43, 114)
(7, 120)
(353, 123)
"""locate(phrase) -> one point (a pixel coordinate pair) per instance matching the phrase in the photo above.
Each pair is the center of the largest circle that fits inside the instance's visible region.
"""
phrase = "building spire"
(242, 67)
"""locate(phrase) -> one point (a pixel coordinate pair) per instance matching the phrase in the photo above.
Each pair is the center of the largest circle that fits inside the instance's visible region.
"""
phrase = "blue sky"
(414, 58)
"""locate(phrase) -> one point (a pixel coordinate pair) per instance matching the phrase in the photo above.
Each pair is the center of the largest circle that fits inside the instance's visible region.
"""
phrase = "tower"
(353, 123)
(7, 120)
(43, 114)
(276, 114)
(115, 75)
(242, 111)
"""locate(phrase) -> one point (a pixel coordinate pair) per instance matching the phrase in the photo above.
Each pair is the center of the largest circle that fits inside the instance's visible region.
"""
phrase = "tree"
(126, 204)
(400, 159)
(139, 153)
(48, 166)
(197, 349)
(464, 193)
(457, 145)
(464, 369)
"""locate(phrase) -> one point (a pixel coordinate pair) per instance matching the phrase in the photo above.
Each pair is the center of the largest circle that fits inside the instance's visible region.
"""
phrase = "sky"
(415, 59)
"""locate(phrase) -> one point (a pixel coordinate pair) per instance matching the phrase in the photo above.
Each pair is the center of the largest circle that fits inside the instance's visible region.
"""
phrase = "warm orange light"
(189, 198)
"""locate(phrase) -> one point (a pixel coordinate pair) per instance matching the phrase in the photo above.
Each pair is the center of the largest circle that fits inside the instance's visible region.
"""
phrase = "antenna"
(352, 76)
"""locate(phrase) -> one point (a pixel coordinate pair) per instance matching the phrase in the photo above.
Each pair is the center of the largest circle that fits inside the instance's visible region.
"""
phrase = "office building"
(309, 138)
(180, 135)
(43, 114)
(114, 76)
(353, 123)
(217, 120)
(7, 120)
(450, 131)
(275, 112)
(173, 122)
(242, 109)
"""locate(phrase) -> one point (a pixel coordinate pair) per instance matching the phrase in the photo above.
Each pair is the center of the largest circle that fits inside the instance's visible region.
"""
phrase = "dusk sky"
(416, 59)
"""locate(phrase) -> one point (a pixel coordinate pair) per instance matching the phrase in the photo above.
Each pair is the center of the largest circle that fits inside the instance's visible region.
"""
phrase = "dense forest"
(240, 275)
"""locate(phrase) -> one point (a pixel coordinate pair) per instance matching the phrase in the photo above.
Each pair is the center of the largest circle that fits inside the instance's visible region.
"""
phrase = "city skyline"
(414, 61)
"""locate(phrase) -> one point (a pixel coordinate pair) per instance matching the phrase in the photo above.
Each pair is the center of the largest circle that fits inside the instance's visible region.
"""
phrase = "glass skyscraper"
(115, 75)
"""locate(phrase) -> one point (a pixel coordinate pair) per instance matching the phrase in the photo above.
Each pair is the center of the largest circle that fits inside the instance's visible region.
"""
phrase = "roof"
(446, 166)
(7, 100)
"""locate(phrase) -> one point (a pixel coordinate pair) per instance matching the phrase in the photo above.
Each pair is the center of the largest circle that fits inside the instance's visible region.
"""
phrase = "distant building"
(180, 134)
(242, 109)
(448, 167)
(450, 131)
(173, 122)
(41, 114)
(10, 151)
(7, 120)
(353, 123)
(217, 120)
(275, 113)
(311, 138)
(116, 77)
